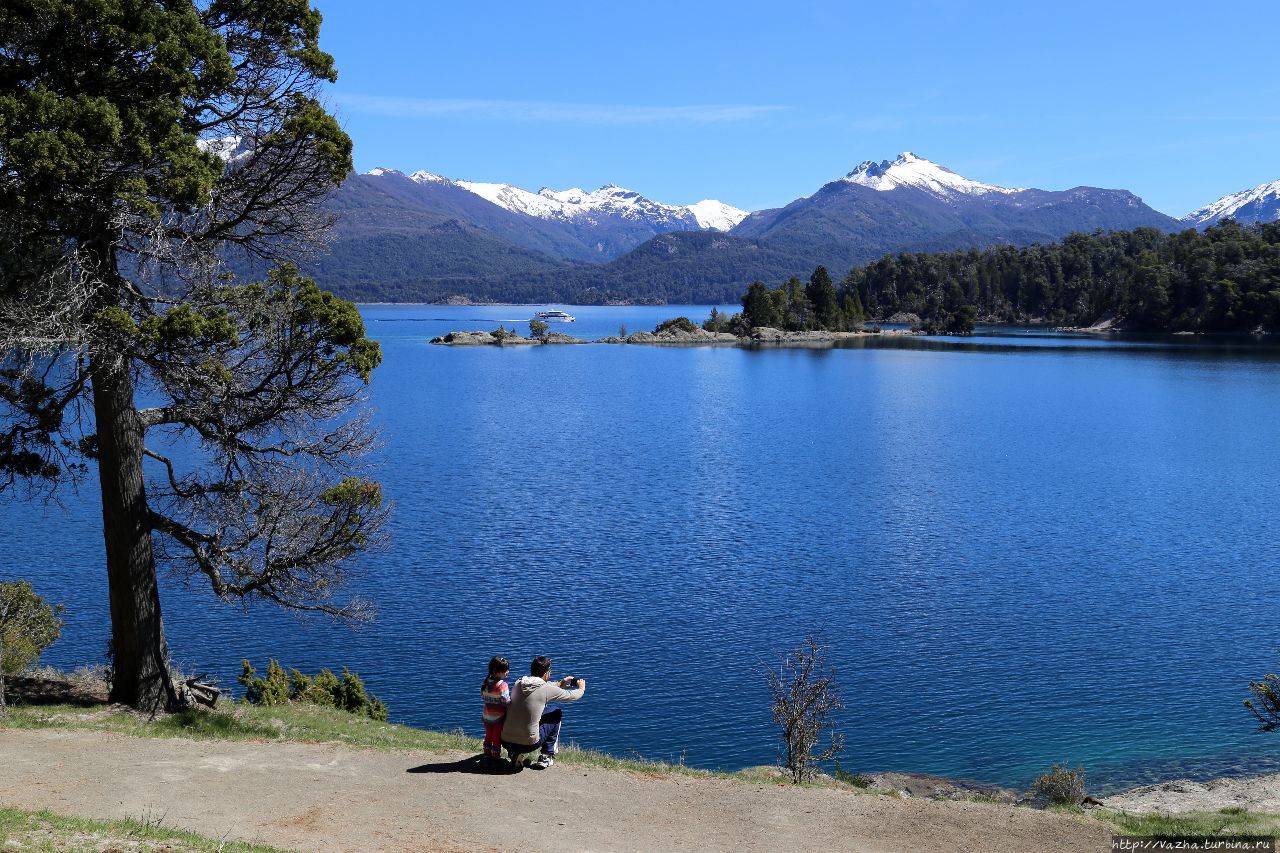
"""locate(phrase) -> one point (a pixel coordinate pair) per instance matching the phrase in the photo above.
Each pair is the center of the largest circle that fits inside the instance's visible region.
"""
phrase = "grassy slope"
(310, 724)
(24, 830)
(1227, 822)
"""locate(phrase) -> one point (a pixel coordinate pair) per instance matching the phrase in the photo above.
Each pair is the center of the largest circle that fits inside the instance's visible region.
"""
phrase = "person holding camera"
(529, 726)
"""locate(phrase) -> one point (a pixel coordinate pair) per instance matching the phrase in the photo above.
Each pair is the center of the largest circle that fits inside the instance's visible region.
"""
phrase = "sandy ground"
(1256, 793)
(314, 797)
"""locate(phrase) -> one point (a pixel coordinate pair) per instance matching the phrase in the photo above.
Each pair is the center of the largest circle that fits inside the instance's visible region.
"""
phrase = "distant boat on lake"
(554, 317)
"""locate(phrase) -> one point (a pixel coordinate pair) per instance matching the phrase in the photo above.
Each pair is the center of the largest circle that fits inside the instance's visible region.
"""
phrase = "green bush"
(28, 626)
(684, 324)
(324, 689)
(272, 690)
(1061, 786)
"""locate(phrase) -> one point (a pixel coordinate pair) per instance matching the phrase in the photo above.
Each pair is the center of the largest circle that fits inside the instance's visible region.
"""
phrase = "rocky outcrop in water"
(675, 335)
(769, 335)
(473, 339)
(928, 787)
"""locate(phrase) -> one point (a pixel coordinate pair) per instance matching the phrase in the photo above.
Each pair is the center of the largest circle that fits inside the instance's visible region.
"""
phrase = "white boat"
(554, 317)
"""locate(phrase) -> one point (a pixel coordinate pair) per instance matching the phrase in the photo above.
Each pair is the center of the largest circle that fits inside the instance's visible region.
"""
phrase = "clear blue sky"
(759, 103)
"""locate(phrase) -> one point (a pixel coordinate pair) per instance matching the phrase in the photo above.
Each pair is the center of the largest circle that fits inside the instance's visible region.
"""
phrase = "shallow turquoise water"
(1022, 548)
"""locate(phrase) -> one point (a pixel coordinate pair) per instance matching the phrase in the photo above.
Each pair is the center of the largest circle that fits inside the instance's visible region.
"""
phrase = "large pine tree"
(141, 143)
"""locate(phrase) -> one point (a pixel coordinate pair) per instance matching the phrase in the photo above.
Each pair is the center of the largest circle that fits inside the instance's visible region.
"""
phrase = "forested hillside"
(1226, 278)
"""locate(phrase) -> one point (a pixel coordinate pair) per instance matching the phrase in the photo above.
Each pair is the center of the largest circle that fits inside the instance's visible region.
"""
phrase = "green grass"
(1227, 822)
(25, 830)
(305, 723)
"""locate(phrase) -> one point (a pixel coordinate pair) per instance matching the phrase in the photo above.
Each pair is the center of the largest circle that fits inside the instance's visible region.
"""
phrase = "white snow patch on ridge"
(230, 149)
(1228, 206)
(576, 204)
(716, 215)
(908, 170)
(516, 200)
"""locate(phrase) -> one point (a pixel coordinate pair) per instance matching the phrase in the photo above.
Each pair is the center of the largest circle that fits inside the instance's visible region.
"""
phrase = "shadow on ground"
(27, 690)
(473, 764)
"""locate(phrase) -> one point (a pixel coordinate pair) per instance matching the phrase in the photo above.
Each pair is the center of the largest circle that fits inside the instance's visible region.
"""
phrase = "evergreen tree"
(821, 293)
(799, 315)
(757, 306)
(854, 314)
(142, 141)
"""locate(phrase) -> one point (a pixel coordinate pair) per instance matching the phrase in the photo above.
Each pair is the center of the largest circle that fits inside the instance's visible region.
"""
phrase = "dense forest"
(1226, 278)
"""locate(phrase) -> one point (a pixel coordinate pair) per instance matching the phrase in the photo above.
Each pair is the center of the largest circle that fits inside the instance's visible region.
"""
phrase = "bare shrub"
(1061, 786)
(1265, 705)
(805, 700)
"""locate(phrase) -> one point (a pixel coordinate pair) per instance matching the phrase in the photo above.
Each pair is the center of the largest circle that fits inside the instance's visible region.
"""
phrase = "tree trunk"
(141, 677)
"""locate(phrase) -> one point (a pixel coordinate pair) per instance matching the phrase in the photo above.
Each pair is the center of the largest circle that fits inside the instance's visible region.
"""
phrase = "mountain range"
(424, 237)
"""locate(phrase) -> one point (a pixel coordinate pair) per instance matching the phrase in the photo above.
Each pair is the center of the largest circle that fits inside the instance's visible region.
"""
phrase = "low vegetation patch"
(683, 324)
(26, 830)
(346, 693)
(28, 625)
(1224, 823)
(1061, 786)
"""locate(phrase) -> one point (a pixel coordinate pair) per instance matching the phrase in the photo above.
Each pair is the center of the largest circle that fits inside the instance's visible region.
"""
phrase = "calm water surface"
(1023, 548)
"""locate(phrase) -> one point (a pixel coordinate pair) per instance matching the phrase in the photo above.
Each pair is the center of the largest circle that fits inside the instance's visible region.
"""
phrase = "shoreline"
(60, 703)
(760, 337)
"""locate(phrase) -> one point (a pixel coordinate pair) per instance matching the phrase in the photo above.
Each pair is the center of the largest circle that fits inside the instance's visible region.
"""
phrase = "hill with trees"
(1223, 279)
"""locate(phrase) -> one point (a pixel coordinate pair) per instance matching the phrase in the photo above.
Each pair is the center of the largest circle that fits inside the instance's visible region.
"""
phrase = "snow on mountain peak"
(229, 149)
(716, 215)
(1260, 204)
(576, 204)
(421, 177)
(909, 170)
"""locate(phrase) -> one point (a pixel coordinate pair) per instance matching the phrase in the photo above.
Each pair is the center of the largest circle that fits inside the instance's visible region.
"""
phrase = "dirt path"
(314, 797)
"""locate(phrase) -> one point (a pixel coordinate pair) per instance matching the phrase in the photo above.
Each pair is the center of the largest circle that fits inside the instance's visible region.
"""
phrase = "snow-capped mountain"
(580, 206)
(1260, 204)
(572, 224)
(908, 170)
(716, 215)
(910, 203)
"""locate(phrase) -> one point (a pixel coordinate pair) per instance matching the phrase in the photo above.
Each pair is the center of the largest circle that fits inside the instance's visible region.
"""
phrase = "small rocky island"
(669, 333)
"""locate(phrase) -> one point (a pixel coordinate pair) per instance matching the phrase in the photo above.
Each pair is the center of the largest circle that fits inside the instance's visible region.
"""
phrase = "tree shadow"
(36, 690)
(472, 764)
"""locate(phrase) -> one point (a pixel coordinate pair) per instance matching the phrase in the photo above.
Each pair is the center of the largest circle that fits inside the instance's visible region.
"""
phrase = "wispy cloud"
(551, 111)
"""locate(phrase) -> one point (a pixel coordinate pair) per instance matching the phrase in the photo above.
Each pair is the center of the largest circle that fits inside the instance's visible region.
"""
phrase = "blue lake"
(1022, 548)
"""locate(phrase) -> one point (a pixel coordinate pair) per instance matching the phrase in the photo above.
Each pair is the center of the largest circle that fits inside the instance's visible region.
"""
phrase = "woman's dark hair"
(498, 665)
(541, 666)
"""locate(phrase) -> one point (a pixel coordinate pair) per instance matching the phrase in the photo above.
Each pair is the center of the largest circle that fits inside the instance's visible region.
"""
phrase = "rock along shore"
(762, 336)
(1255, 793)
